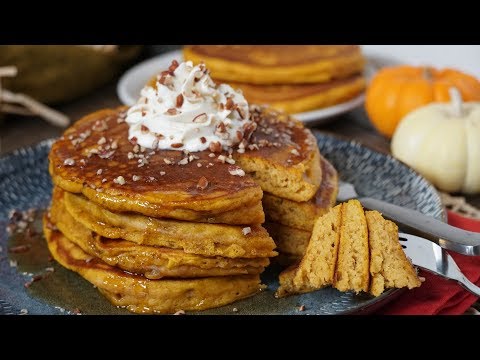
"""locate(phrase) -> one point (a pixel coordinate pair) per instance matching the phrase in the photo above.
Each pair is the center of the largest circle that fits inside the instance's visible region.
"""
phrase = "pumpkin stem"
(427, 73)
(456, 101)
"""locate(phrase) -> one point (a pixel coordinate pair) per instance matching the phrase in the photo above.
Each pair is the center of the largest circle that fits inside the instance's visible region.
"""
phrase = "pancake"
(78, 164)
(193, 238)
(302, 215)
(287, 163)
(291, 242)
(141, 295)
(153, 262)
(278, 64)
(297, 98)
(179, 196)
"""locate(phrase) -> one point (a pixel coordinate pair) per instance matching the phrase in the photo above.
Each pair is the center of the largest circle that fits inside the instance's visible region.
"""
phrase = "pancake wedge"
(352, 272)
(142, 295)
(389, 266)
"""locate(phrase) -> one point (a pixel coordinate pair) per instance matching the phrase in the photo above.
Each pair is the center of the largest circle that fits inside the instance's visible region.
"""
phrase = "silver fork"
(433, 258)
(447, 236)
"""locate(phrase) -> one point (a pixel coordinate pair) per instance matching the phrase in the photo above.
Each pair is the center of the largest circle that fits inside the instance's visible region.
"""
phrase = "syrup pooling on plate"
(186, 110)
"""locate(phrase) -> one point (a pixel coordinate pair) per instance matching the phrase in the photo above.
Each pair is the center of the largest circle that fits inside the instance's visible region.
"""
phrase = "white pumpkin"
(442, 142)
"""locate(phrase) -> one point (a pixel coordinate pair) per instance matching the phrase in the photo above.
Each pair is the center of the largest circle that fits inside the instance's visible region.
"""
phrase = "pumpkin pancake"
(287, 162)
(291, 242)
(278, 64)
(94, 157)
(192, 238)
(297, 98)
(142, 295)
(302, 215)
(151, 261)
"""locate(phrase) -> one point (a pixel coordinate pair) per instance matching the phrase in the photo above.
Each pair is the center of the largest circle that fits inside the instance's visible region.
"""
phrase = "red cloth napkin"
(438, 296)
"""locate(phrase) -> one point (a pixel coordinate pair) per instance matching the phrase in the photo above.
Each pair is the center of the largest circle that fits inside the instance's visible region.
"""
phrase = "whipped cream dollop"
(186, 110)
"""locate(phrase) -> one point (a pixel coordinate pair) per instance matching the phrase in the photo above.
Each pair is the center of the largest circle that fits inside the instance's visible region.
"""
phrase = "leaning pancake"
(287, 162)
(297, 98)
(152, 261)
(278, 64)
(302, 215)
(193, 238)
(80, 162)
(142, 295)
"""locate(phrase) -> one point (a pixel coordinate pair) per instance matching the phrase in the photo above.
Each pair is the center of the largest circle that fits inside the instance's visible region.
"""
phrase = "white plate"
(130, 84)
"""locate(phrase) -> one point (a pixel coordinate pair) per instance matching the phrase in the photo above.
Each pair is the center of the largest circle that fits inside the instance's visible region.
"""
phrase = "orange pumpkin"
(396, 91)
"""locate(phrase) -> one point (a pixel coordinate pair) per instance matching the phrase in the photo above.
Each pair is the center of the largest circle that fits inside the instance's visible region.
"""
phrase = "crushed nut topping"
(236, 171)
(184, 161)
(172, 111)
(246, 230)
(100, 125)
(215, 147)
(119, 180)
(200, 118)
(179, 101)
(202, 183)
(69, 162)
(229, 104)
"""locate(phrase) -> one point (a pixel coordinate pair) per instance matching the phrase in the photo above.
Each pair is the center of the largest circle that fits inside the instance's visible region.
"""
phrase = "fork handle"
(450, 237)
(467, 284)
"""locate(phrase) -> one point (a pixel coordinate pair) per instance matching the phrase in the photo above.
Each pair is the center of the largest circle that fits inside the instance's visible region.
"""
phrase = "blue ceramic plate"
(25, 183)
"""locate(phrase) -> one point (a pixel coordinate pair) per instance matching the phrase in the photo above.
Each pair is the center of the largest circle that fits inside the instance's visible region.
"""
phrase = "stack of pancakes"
(163, 231)
(290, 78)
